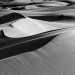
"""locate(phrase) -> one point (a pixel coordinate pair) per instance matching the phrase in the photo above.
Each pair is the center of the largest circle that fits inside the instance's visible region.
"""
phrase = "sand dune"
(26, 27)
(55, 58)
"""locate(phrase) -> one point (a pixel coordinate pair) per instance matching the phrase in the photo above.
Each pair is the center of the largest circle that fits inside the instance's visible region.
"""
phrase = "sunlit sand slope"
(26, 27)
(34, 10)
(55, 58)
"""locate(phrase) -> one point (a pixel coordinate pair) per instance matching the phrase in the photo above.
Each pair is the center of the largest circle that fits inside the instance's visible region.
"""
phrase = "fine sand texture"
(55, 58)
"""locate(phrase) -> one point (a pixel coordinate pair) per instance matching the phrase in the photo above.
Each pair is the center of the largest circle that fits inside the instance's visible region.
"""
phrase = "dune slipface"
(55, 58)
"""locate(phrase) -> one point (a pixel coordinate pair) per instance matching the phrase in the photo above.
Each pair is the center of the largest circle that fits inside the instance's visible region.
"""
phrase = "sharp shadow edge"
(10, 17)
(25, 47)
(54, 18)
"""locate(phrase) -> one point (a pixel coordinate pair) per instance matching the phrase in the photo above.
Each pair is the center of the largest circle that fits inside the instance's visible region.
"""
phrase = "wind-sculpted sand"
(55, 58)
(26, 27)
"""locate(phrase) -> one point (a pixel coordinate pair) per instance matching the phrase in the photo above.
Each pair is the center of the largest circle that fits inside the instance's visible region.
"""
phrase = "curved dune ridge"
(55, 58)
(26, 27)
(14, 32)
(54, 3)
(22, 1)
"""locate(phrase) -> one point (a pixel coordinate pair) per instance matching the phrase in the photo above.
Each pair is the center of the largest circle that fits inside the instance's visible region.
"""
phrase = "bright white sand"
(26, 27)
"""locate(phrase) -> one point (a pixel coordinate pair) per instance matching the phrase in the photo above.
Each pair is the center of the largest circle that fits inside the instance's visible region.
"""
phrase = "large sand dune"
(55, 58)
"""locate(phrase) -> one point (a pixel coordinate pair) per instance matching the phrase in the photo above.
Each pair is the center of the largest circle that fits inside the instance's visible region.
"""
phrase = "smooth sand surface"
(26, 27)
(69, 12)
(57, 24)
(55, 58)
(14, 33)
(40, 11)
(31, 7)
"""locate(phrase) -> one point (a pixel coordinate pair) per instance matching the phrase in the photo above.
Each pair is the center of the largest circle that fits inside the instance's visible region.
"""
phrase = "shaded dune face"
(10, 17)
(55, 58)
(55, 18)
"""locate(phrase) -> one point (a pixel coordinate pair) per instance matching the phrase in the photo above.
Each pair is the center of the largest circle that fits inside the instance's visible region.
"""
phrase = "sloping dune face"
(23, 1)
(14, 33)
(27, 1)
(26, 27)
(55, 58)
